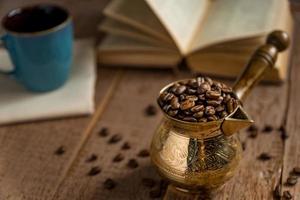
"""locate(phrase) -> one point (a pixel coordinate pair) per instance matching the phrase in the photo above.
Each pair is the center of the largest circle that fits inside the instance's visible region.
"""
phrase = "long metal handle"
(263, 58)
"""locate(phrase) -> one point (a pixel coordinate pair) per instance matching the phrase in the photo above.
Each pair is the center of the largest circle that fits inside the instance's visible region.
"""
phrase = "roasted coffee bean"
(213, 102)
(143, 153)
(132, 163)
(190, 119)
(287, 195)
(229, 105)
(212, 118)
(191, 91)
(204, 87)
(296, 171)
(180, 89)
(103, 132)
(182, 97)
(109, 184)
(209, 80)
(283, 133)
(172, 113)
(291, 180)
(92, 158)
(226, 98)
(200, 80)
(213, 94)
(150, 110)
(126, 146)
(252, 128)
(277, 192)
(167, 107)
(118, 158)
(167, 97)
(188, 113)
(201, 97)
(264, 157)
(268, 129)
(220, 108)
(60, 150)
(198, 114)
(253, 131)
(148, 182)
(115, 138)
(197, 108)
(192, 97)
(175, 103)
(94, 171)
(187, 104)
(192, 83)
(209, 110)
(202, 119)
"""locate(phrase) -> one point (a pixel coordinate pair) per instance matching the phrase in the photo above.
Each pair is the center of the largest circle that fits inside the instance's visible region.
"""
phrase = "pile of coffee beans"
(198, 100)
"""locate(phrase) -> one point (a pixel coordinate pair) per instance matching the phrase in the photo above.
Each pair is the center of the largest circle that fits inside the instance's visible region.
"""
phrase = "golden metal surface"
(195, 156)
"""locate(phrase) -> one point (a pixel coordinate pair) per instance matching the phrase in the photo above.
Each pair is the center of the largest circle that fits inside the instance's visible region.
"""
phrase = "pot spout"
(262, 59)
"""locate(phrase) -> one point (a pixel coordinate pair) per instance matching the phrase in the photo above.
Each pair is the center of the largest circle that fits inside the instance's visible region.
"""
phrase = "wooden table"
(30, 170)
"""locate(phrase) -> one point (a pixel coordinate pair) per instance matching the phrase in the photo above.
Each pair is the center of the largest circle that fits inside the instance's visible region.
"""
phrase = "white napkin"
(76, 97)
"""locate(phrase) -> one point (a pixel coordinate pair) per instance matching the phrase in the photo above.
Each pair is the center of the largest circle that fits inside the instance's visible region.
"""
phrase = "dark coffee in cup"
(34, 18)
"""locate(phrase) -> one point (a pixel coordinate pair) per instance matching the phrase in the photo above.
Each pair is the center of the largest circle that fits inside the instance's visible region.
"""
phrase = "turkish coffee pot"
(202, 156)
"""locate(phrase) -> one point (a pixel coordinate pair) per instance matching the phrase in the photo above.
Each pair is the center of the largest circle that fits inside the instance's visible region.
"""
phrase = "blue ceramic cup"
(39, 41)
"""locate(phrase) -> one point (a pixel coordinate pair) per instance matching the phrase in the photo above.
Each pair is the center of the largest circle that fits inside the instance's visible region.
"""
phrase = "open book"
(216, 37)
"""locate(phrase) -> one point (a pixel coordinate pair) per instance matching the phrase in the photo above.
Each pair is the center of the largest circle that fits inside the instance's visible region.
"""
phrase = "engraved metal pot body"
(190, 161)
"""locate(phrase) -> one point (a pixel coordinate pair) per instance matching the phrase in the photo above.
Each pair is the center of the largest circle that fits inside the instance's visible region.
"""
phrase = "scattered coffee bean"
(296, 171)
(150, 110)
(148, 182)
(268, 129)
(103, 132)
(143, 153)
(60, 151)
(253, 131)
(252, 128)
(291, 180)
(264, 157)
(283, 133)
(132, 163)
(109, 184)
(115, 138)
(277, 192)
(198, 100)
(92, 158)
(118, 158)
(94, 171)
(287, 195)
(126, 146)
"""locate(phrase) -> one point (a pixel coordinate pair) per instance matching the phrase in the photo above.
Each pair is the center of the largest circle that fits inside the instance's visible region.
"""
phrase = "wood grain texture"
(124, 115)
(29, 169)
(292, 144)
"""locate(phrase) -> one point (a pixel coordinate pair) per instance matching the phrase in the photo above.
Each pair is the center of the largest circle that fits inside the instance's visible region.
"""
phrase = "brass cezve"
(195, 156)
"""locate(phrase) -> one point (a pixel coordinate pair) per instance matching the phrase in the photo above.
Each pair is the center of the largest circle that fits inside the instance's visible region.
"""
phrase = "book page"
(182, 18)
(138, 14)
(114, 27)
(232, 20)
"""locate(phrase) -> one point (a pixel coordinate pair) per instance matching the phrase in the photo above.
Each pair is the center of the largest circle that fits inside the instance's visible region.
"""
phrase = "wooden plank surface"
(125, 116)
(29, 169)
(292, 144)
